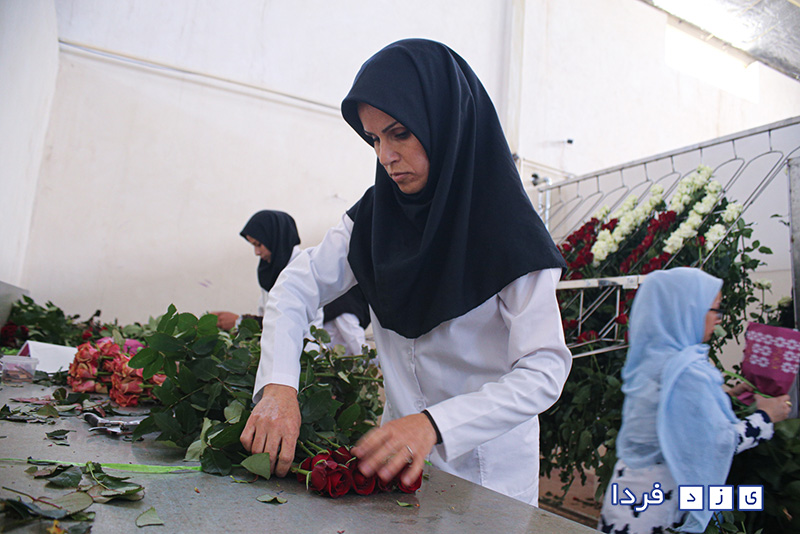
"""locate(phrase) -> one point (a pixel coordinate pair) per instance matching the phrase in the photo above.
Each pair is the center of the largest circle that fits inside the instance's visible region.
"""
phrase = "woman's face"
(261, 251)
(713, 318)
(398, 150)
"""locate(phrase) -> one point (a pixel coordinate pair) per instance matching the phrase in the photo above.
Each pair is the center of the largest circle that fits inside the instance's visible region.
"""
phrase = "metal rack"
(745, 164)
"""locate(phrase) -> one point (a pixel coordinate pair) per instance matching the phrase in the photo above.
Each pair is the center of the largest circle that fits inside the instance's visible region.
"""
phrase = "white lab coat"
(483, 376)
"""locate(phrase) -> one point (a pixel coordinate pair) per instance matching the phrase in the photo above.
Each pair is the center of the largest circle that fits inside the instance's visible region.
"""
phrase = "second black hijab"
(277, 231)
(426, 258)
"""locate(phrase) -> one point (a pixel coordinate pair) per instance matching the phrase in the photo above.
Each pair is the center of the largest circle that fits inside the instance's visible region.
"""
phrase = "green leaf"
(186, 379)
(404, 504)
(186, 321)
(258, 464)
(68, 478)
(215, 462)
(233, 412)
(164, 343)
(153, 367)
(205, 345)
(271, 499)
(58, 435)
(765, 250)
(165, 319)
(148, 517)
(349, 416)
(207, 325)
(142, 358)
(48, 410)
(205, 369)
(74, 502)
(227, 436)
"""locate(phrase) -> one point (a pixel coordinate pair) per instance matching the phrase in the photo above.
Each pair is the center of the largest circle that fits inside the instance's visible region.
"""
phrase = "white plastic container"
(18, 369)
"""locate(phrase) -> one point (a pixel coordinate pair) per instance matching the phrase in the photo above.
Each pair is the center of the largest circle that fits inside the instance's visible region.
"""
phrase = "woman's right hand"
(226, 320)
(777, 408)
(274, 427)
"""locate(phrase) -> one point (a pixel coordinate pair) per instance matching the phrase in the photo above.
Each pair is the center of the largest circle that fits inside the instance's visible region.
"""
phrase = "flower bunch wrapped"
(334, 472)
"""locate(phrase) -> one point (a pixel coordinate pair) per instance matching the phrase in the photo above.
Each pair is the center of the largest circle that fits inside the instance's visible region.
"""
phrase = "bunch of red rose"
(104, 369)
(335, 473)
(13, 335)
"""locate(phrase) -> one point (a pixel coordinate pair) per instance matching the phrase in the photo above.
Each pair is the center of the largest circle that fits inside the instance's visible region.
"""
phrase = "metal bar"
(690, 148)
(794, 219)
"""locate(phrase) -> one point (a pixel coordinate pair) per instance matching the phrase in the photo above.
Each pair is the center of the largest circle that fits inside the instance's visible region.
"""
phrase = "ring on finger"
(410, 454)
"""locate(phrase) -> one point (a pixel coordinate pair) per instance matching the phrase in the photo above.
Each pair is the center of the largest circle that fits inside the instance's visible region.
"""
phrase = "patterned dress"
(656, 519)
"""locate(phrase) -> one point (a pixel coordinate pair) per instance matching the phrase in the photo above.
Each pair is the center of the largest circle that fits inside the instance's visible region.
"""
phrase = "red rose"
(589, 335)
(386, 486)
(341, 455)
(622, 319)
(362, 484)
(340, 481)
(565, 247)
(411, 488)
(87, 334)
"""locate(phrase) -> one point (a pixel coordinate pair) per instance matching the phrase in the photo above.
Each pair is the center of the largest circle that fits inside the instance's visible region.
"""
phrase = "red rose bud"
(622, 319)
(411, 488)
(362, 484)
(340, 481)
(386, 486)
(318, 478)
(341, 455)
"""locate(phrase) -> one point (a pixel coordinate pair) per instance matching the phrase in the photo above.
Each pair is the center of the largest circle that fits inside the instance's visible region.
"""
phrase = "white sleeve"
(542, 363)
(313, 278)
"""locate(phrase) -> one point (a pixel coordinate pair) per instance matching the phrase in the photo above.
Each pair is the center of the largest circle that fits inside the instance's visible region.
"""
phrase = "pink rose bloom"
(108, 348)
(131, 346)
(123, 399)
(87, 353)
(83, 370)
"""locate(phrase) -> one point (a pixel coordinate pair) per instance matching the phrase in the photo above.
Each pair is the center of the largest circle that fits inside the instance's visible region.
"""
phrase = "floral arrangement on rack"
(695, 225)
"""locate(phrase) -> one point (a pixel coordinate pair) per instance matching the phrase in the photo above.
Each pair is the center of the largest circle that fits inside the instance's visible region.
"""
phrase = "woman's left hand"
(387, 450)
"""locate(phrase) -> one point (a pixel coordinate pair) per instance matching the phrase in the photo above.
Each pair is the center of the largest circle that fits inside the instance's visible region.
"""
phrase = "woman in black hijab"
(274, 237)
(459, 272)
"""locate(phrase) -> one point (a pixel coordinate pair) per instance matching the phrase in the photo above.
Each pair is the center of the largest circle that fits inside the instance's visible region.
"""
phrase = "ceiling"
(767, 30)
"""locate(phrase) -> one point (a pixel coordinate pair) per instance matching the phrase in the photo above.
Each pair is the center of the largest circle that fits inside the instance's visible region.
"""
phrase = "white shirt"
(484, 376)
(346, 330)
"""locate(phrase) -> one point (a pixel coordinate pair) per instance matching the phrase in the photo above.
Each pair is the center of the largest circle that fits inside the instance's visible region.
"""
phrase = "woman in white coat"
(460, 276)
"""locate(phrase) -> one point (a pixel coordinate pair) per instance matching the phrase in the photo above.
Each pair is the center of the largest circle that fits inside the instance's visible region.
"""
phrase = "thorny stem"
(34, 499)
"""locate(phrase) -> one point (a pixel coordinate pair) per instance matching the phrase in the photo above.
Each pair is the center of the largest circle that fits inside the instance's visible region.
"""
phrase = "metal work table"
(195, 502)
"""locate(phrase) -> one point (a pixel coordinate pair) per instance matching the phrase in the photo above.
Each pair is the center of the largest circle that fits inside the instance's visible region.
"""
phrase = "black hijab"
(425, 258)
(277, 231)
(351, 302)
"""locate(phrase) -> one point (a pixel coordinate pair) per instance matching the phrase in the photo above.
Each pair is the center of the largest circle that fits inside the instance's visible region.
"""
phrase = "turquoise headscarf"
(675, 410)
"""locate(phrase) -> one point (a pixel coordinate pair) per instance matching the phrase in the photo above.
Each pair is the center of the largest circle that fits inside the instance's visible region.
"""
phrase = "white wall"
(149, 174)
(597, 73)
(28, 66)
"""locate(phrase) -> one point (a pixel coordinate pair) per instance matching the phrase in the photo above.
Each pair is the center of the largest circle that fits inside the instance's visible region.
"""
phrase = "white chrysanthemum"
(673, 243)
(627, 206)
(732, 212)
(657, 190)
(602, 213)
(763, 283)
(694, 220)
(705, 206)
(714, 188)
(713, 235)
(604, 246)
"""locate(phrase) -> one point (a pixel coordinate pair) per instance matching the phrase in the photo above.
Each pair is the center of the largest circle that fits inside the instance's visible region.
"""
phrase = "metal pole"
(794, 219)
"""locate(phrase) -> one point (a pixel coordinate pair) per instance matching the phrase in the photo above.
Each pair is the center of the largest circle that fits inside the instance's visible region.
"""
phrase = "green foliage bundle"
(205, 398)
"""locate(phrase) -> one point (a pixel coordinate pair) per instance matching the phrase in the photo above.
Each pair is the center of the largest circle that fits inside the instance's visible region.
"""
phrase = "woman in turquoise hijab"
(678, 427)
